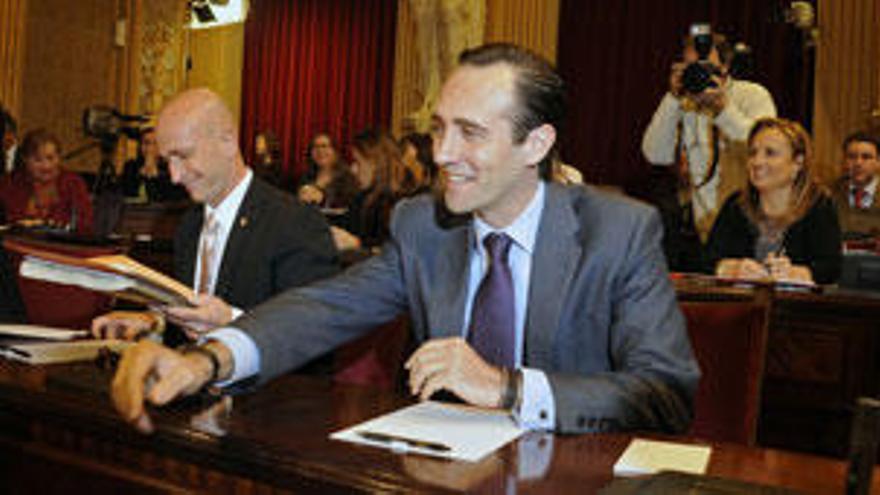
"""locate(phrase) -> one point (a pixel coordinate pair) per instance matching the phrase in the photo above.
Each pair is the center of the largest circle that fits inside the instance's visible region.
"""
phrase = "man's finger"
(421, 373)
(170, 386)
(127, 390)
(144, 424)
(435, 383)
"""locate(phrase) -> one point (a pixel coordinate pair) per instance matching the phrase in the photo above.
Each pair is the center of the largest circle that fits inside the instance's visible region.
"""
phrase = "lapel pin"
(243, 222)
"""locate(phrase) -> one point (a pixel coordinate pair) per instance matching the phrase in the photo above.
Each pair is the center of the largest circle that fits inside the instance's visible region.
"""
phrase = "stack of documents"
(451, 431)
(46, 345)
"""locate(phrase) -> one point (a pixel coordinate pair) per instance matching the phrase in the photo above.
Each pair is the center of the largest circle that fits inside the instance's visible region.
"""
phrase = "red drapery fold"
(316, 65)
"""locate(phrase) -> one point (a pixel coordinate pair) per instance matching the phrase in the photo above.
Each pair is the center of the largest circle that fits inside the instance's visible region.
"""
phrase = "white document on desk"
(437, 429)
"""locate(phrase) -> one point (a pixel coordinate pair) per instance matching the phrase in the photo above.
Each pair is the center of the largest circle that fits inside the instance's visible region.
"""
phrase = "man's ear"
(538, 143)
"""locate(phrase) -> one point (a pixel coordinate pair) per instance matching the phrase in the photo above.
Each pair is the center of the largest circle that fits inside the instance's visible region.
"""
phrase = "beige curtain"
(12, 36)
(847, 95)
(431, 34)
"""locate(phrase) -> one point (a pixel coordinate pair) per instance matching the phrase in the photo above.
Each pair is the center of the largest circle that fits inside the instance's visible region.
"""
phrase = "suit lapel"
(188, 243)
(451, 272)
(238, 234)
(554, 263)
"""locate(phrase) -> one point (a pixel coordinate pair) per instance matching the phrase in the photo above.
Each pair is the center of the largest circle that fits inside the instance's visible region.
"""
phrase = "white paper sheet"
(59, 352)
(469, 433)
(40, 332)
(652, 456)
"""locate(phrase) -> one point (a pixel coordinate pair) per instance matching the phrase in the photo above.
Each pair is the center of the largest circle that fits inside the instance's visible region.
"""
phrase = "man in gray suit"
(583, 331)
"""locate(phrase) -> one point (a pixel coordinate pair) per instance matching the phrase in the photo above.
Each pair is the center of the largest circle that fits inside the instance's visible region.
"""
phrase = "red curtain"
(615, 57)
(313, 66)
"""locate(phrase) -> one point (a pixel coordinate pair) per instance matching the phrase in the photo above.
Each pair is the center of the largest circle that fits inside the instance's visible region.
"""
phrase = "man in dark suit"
(257, 241)
(566, 317)
(855, 193)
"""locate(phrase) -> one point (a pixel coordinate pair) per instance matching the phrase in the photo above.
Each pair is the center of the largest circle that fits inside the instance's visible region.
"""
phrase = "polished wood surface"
(822, 354)
(58, 433)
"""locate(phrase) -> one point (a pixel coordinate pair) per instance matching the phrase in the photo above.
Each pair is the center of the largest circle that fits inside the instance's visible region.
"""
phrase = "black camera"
(697, 76)
(108, 124)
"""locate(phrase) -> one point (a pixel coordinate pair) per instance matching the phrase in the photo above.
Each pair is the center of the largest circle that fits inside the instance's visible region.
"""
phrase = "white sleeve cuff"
(538, 409)
(236, 313)
(245, 355)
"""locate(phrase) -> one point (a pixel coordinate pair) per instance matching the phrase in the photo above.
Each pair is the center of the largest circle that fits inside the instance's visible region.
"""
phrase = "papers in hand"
(46, 345)
(39, 332)
(432, 428)
(651, 456)
(117, 274)
(58, 352)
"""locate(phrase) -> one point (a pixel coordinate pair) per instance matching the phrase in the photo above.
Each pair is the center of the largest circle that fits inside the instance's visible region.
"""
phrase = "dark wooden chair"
(57, 305)
(376, 359)
(729, 338)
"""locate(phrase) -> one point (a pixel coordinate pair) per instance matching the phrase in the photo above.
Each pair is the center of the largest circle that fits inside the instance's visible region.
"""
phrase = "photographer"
(701, 125)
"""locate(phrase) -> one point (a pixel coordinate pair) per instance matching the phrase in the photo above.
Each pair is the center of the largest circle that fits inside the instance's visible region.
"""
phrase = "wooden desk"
(822, 354)
(58, 432)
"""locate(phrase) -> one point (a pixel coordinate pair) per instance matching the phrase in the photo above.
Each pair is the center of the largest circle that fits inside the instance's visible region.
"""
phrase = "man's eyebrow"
(463, 122)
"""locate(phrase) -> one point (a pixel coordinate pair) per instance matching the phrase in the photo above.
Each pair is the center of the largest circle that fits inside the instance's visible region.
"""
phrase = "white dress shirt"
(868, 194)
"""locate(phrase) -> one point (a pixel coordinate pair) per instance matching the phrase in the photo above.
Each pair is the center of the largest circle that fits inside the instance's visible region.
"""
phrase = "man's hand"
(451, 364)
(744, 268)
(153, 373)
(126, 325)
(713, 99)
(208, 313)
(675, 85)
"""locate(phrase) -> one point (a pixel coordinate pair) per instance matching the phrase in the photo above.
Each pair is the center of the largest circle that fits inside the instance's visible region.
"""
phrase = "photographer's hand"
(713, 99)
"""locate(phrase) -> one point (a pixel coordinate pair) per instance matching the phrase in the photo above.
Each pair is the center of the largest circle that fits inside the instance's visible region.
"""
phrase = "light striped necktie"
(206, 254)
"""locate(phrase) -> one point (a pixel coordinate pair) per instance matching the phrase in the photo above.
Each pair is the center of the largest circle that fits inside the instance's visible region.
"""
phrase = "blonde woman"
(783, 226)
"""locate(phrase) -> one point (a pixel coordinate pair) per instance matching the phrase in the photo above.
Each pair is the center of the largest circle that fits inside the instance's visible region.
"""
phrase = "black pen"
(409, 442)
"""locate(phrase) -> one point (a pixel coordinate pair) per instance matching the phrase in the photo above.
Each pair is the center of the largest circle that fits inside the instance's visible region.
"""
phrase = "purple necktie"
(491, 331)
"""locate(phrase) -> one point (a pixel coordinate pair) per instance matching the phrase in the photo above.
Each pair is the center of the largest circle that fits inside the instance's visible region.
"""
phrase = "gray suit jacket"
(602, 320)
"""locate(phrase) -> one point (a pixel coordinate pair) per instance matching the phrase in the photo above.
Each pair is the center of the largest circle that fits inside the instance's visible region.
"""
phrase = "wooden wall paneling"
(217, 57)
(71, 62)
(531, 23)
(12, 43)
(847, 73)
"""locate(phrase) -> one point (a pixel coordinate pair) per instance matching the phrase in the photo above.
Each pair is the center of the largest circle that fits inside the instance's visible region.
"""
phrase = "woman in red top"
(40, 192)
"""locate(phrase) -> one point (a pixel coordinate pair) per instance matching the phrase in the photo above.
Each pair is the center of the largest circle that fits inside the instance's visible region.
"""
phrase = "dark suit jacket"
(275, 243)
(602, 319)
(812, 241)
(855, 220)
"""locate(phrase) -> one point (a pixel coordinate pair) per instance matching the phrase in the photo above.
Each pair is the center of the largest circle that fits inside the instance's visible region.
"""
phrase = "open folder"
(48, 345)
(437, 429)
(116, 274)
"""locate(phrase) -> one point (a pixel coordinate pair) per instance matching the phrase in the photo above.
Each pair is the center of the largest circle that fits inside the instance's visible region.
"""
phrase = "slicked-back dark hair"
(539, 92)
(863, 137)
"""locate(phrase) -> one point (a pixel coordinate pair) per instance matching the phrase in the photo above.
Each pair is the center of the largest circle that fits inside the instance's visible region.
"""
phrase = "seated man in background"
(548, 301)
(245, 242)
(858, 206)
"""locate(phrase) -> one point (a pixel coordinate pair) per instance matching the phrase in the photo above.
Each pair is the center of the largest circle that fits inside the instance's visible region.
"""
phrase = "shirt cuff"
(236, 313)
(245, 355)
(538, 409)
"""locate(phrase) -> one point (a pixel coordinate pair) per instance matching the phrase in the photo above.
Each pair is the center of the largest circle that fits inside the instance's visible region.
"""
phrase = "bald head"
(202, 109)
(197, 134)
